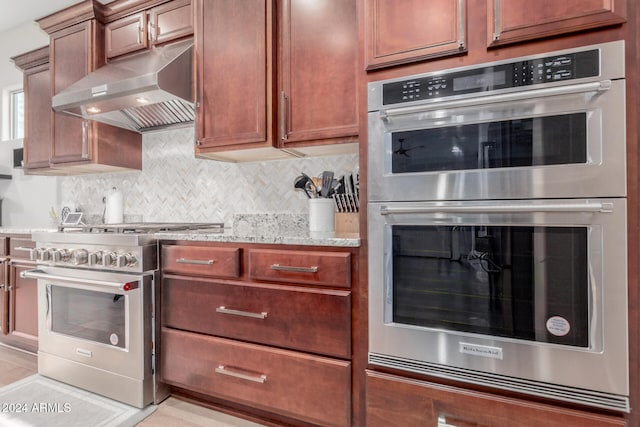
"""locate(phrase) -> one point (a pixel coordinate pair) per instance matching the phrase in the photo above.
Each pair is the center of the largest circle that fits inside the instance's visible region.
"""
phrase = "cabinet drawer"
(19, 247)
(398, 401)
(308, 267)
(201, 261)
(317, 321)
(310, 388)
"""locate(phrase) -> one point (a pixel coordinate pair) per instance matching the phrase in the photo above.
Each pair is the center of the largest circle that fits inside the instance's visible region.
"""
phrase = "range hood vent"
(149, 91)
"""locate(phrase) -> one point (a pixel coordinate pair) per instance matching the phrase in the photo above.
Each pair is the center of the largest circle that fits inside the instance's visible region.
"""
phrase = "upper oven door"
(555, 142)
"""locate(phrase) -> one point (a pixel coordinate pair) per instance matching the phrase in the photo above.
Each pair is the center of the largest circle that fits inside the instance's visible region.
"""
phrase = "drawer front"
(313, 320)
(309, 388)
(308, 267)
(201, 261)
(396, 401)
(19, 247)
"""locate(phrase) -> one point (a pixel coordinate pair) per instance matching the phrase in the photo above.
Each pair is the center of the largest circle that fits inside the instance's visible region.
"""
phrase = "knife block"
(347, 223)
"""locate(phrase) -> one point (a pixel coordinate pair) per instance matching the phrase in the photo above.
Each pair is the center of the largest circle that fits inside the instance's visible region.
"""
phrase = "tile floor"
(15, 365)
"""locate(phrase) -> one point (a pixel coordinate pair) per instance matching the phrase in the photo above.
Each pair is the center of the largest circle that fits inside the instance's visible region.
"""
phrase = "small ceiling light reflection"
(93, 110)
(142, 100)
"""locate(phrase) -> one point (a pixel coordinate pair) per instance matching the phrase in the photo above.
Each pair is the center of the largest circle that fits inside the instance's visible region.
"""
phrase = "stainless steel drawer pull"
(221, 369)
(442, 422)
(20, 248)
(279, 267)
(222, 309)
(194, 261)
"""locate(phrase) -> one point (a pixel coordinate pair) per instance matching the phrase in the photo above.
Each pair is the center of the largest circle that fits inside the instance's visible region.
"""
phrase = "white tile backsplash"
(174, 186)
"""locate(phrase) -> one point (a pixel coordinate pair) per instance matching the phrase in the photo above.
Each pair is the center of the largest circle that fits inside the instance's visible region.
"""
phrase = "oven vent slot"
(596, 399)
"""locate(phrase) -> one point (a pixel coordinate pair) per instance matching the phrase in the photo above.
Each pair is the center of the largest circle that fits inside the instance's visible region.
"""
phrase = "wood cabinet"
(280, 343)
(515, 20)
(275, 77)
(76, 49)
(415, 31)
(421, 30)
(146, 28)
(398, 401)
(37, 111)
(19, 302)
(317, 66)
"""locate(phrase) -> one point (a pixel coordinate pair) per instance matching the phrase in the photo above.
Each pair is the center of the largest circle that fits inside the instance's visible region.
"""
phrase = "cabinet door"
(4, 298)
(23, 308)
(318, 71)
(171, 21)
(37, 119)
(234, 69)
(126, 35)
(415, 31)
(396, 401)
(71, 59)
(516, 20)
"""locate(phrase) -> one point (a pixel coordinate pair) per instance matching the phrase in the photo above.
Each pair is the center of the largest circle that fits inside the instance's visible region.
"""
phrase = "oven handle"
(507, 97)
(504, 208)
(104, 284)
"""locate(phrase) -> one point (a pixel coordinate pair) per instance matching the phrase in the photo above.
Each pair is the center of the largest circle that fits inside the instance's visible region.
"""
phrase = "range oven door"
(557, 142)
(95, 318)
(525, 295)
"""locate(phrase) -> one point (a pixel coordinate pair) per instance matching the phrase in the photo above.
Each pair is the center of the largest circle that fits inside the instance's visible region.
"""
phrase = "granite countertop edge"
(228, 236)
(319, 239)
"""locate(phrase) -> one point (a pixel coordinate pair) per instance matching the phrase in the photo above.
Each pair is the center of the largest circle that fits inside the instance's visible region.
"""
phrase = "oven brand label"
(558, 326)
(481, 350)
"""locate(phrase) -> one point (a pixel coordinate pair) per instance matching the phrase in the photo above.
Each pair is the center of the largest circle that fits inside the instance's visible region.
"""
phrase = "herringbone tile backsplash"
(174, 186)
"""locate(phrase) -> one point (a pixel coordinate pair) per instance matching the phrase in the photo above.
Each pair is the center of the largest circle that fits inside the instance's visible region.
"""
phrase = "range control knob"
(79, 256)
(33, 254)
(95, 258)
(60, 255)
(109, 259)
(126, 260)
(44, 254)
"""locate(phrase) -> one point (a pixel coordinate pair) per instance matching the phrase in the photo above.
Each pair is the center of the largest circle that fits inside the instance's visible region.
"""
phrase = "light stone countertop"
(302, 238)
(284, 229)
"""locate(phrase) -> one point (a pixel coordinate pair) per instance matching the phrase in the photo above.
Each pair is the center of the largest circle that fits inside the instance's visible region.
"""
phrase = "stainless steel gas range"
(97, 299)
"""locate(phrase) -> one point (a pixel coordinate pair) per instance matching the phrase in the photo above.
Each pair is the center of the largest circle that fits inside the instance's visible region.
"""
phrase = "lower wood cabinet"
(18, 296)
(302, 386)
(264, 327)
(292, 317)
(401, 402)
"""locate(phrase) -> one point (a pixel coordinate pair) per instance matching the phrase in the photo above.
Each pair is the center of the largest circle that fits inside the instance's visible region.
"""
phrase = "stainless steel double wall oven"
(497, 225)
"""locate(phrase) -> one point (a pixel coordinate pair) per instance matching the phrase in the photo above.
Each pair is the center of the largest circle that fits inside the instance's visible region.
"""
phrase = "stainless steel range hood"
(149, 91)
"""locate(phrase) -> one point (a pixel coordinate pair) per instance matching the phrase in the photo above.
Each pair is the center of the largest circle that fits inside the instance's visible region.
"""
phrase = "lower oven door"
(102, 320)
(529, 296)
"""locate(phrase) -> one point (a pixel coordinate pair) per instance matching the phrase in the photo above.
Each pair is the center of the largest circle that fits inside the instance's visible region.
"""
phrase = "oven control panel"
(126, 259)
(484, 78)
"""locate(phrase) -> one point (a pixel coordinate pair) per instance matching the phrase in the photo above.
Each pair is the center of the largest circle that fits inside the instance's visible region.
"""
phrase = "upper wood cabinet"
(37, 111)
(161, 24)
(76, 49)
(516, 20)
(398, 33)
(318, 64)
(247, 111)
(416, 30)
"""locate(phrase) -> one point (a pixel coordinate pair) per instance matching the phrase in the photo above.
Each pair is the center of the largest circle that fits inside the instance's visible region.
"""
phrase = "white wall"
(26, 199)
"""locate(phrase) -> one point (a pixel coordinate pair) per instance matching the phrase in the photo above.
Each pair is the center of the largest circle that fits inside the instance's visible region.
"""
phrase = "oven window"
(527, 283)
(90, 315)
(542, 141)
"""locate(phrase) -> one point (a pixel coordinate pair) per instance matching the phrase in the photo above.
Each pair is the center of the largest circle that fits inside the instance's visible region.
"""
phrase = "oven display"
(494, 77)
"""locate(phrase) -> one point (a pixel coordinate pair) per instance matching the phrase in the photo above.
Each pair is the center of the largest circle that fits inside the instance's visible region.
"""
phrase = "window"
(16, 114)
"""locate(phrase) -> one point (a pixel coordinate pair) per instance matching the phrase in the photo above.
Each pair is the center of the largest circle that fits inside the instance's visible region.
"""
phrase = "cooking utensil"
(327, 183)
(301, 183)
